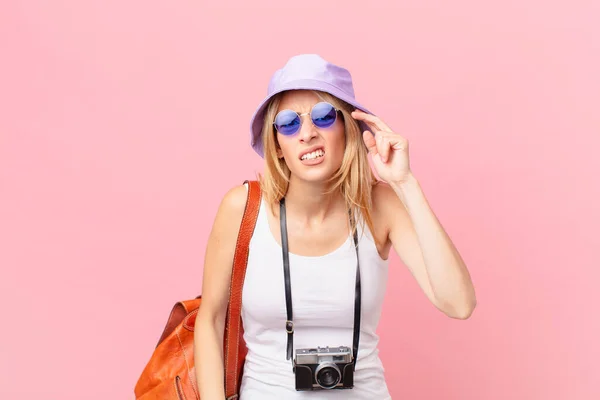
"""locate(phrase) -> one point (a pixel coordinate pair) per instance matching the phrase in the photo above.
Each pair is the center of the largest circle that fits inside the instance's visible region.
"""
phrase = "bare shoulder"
(226, 225)
(385, 200)
(387, 209)
(381, 194)
(233, 204)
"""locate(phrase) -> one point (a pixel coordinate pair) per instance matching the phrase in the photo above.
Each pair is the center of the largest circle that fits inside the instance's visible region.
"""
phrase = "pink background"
(121, 121)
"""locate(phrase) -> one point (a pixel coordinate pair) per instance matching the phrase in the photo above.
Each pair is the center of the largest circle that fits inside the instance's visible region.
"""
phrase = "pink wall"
(120, 122)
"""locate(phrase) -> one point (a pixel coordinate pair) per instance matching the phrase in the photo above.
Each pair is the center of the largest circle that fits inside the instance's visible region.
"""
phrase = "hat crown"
(311, 67)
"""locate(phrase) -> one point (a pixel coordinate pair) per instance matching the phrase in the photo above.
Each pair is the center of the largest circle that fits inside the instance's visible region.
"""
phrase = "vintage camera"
(324, 368)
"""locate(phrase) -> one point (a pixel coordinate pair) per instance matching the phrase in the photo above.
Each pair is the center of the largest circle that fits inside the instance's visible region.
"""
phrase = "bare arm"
(412, 228)
(426, 249)
(210, 321)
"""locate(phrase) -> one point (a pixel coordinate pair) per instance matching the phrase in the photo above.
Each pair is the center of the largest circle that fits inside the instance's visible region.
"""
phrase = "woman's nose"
(307, 130)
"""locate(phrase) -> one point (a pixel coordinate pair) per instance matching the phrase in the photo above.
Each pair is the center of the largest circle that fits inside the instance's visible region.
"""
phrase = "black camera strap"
(289, 325)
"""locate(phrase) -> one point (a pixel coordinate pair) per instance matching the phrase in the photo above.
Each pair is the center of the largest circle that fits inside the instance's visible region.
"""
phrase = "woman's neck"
(310, 203)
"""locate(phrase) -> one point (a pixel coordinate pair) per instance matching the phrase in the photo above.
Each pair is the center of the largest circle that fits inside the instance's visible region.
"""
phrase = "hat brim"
(257, 121)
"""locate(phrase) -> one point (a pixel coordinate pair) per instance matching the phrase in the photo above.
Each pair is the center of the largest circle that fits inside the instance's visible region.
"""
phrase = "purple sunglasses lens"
(287, 122)
(323, 115)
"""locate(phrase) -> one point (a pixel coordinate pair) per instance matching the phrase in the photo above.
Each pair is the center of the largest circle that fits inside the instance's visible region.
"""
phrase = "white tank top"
(323, 308)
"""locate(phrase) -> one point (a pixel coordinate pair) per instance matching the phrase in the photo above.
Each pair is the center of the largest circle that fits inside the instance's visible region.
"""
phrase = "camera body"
(324, 368)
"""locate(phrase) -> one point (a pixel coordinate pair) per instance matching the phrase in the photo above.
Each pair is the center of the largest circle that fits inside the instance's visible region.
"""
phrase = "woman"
(320, 197)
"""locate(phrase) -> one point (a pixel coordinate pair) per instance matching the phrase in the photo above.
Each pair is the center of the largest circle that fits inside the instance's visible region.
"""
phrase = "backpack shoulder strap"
(234, 308)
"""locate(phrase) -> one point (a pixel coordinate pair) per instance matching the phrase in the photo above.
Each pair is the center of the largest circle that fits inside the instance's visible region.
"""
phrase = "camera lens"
(327, 375)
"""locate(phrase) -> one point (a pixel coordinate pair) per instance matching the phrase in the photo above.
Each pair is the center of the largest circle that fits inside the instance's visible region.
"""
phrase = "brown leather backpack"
(170, 372)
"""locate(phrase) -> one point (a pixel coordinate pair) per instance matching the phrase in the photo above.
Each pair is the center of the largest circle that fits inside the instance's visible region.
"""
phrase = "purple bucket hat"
(305, 71)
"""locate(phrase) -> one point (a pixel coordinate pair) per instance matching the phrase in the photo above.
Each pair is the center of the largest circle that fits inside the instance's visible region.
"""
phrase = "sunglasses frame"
(337, 110)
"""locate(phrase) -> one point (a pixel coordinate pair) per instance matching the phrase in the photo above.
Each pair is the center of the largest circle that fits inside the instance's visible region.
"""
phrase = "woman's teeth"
(313, 155)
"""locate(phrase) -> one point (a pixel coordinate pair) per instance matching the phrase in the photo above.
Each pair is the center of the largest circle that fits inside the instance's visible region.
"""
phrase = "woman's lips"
(313, 157)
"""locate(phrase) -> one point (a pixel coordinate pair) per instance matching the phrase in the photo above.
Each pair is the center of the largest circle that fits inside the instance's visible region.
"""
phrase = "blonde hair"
(354, 179)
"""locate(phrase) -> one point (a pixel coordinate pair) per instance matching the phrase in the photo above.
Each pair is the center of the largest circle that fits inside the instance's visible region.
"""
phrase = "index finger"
(371, 120)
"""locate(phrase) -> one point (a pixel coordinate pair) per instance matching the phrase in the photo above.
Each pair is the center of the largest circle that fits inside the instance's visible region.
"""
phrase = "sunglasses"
(322, 115)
